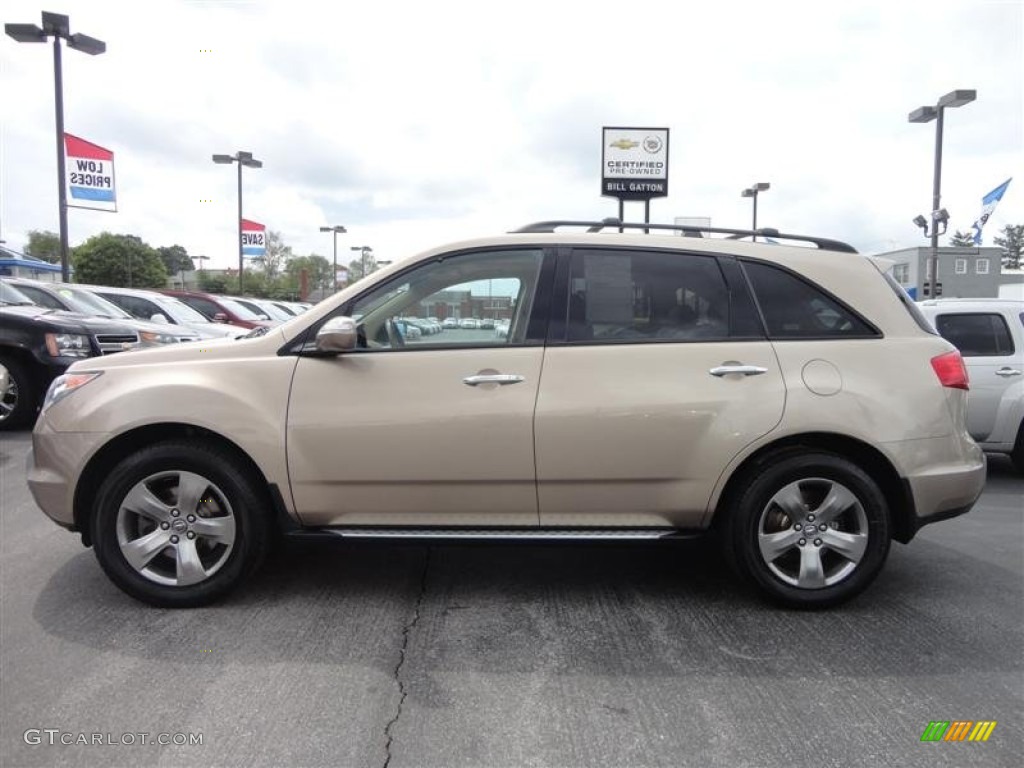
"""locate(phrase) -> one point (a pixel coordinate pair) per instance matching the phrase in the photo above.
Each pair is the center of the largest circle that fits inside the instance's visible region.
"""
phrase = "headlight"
(155, 337)
(65, 384)
(68, 345)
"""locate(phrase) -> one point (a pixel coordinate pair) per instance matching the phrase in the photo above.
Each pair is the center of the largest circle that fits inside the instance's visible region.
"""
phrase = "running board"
(504, 534)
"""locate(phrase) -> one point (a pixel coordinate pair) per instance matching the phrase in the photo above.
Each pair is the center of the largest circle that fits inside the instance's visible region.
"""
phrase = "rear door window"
(978, 334)
(643, 296)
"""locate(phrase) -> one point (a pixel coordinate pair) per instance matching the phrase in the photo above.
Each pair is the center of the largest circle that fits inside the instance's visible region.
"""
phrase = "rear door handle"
(1008, 372)
(744, 370)
(493, 378)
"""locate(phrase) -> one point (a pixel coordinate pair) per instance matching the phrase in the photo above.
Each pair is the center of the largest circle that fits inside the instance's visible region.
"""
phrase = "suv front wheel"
(179, 524)
(810, 530)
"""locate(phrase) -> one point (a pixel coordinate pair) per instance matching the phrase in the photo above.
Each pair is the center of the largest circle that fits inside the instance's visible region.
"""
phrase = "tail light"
(951, 370)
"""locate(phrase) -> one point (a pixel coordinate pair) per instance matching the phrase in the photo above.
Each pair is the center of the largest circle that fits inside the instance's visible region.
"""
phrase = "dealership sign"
(89, 175)
(634, 163)
(254, 239)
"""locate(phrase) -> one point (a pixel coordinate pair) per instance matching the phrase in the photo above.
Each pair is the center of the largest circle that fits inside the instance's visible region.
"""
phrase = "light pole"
(939, 215)
(366, 251)
(336, 229)
(242, 158)
(201, 259)
(761, 186)
(58, 26)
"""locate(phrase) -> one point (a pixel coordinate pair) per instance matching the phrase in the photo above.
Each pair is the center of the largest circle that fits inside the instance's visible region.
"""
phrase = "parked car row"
(46, 326)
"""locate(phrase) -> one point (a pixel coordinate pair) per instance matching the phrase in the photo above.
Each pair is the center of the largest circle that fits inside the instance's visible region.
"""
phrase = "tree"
(318, 272)
(1011, 240)
(355, 267)
(276, 255)
(213, 283)
(43, 244)
(175, 259)
(962, 240)
(118, 260)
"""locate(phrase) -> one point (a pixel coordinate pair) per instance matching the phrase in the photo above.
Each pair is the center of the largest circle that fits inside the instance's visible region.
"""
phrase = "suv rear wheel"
(810, 530)
(179, 524)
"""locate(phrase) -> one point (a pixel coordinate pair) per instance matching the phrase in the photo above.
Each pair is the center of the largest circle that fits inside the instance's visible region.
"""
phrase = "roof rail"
(690, 230)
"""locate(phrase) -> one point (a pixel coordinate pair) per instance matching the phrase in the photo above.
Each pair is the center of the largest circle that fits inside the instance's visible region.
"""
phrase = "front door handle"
(493, 378)
(745, 370)
(1008, 372)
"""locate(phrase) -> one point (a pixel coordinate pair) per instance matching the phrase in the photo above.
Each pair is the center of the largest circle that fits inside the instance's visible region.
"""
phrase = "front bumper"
(53, 467)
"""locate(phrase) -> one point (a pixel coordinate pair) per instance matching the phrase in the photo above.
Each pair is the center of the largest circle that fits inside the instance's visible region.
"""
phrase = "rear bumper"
(943, 478)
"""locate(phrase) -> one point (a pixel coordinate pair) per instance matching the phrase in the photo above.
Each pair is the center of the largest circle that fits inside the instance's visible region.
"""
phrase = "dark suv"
(38, 344)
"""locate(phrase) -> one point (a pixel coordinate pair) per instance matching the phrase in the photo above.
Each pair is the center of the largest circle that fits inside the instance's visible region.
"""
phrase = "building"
(15, 264)
(963, 272)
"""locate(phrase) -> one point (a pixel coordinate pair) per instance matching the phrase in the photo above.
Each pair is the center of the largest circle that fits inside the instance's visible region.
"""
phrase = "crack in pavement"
(406, 630)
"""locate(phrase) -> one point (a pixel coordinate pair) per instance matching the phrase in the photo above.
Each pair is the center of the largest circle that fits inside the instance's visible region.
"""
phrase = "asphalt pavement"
(480, 655)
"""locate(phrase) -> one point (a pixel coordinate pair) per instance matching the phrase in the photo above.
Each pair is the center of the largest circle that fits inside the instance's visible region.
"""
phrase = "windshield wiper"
(255, 332)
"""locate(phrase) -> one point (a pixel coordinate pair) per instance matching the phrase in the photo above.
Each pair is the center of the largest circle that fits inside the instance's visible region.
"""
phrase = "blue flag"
(988, 204)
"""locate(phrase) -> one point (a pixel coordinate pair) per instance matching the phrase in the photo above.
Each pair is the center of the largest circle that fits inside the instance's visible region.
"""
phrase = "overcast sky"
(415, 123)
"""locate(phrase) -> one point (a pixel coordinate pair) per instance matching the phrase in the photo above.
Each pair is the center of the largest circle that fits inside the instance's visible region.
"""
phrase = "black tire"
(232, 491)
(757, 516)
(19, 400)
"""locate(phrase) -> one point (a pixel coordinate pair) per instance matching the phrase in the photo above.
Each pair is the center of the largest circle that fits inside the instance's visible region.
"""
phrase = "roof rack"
(689, 230)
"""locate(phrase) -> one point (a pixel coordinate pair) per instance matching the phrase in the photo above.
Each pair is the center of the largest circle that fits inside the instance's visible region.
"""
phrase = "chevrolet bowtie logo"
(624, 144)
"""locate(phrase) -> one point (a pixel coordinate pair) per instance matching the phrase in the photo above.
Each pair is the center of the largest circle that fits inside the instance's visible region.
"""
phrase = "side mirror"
(337, 335)
(156, 317)
(220, 317)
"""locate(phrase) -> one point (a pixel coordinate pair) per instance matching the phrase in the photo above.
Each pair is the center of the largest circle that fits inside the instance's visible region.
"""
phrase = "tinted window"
(645, 296)
(205, 306)
(977, 335)
(42, 298)
(134, 306)
(795, 309)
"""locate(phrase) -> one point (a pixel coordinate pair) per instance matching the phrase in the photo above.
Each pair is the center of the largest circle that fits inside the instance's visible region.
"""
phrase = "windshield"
(238, 309)
(90, 304)
(11, 295)
(182, 313)
(273, 311)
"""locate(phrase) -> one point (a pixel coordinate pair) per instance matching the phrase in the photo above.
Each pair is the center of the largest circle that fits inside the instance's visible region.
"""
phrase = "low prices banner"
(89, 171)
(634, 163)
(254, 239)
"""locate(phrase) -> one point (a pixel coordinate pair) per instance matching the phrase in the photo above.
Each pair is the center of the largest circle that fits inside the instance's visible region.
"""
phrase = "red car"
(219, 309)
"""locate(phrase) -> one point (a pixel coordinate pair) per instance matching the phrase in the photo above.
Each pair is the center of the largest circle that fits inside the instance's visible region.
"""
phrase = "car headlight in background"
(65, 384)
(155, 337)
(68, 345)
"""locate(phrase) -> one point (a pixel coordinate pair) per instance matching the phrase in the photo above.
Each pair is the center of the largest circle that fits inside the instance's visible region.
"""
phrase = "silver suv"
(791, 400)
(990, 335)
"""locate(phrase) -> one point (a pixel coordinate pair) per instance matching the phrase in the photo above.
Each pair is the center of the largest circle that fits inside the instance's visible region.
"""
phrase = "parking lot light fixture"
(336, 229)
(926, 114)
(365, 250)
(753, 192)
(246, 159)
(58, 26)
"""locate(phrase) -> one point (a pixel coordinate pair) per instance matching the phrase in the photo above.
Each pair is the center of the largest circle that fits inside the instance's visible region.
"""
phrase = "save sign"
(89, 174)
(254, 238)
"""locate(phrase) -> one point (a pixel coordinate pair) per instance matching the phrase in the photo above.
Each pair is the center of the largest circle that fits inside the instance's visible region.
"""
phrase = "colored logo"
(958, 730)
(624, 144)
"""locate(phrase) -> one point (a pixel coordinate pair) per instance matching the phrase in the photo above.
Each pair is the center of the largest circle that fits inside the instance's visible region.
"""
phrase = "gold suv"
(790, 399)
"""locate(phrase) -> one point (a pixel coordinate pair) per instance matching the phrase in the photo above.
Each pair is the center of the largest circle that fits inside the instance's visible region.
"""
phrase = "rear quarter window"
(794, 308)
